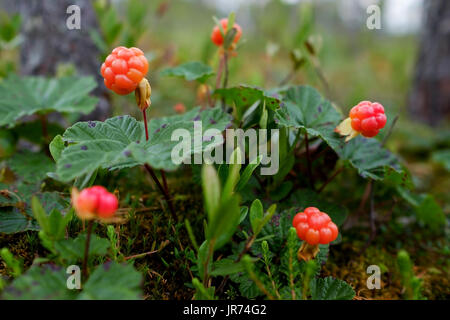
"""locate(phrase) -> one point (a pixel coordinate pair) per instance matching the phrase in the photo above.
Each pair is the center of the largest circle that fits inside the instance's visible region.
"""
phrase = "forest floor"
(146, 227)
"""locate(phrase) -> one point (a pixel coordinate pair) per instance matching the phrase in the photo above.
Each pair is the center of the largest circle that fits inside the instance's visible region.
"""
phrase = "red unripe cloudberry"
(123, 69)
(315, 227)
(368, 118)
(216, 35)
(94, 201)
(179, 108)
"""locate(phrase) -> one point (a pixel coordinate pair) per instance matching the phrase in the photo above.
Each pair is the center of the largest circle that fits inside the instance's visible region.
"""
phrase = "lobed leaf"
(331, 289)
(193, 70)
(119, 142)
(29, 95)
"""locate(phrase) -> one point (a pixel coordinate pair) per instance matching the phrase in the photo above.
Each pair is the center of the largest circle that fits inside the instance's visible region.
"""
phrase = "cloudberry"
(368, 118)
(94, 201)
(179, 108)
(123, 69)
(216, 35)
(315, 227)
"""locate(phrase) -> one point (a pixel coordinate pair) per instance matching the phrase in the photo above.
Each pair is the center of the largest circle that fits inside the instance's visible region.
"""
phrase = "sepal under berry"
(345, 129)
(307, 251)
(143, 93)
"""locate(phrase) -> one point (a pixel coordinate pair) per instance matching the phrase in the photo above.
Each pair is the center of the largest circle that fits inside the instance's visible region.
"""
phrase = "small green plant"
(412, 285)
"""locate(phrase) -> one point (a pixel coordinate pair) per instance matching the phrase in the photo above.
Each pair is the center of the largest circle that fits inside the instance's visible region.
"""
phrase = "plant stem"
(272, 281)
(86, 248)
(287, 78)
(330, 179)
(225, 63)
(44, 125)
(260, 285)
(388, 134)
(163, 190)
(308, 161)
(205, 266)
(163, 176)
(373, 229)
(247, 247)
(219, 71)
(144, 114)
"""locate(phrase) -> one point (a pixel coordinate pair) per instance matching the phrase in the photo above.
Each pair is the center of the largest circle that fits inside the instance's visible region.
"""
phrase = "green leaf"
(306, 109)
(429, 212)
(245, 97)
(308, 198)
(18, 217)
(331, 289)
(211, 190)
(202, 293)
(56, 147)
(28, 95)
(249, 289)
(40, 215)
(442, 157)
(256, 214)
(57, 224)
(47, 282)
(225, 223)
(282, 191)
(396, 178)
(369, 157)
(119, 142)
(226, 267)
(193, 70)
(72, 250)
(246, 175)
(243, 215)
(31, 167)
(32, 131)
(233, 174)
(113, 281)
(203, 257)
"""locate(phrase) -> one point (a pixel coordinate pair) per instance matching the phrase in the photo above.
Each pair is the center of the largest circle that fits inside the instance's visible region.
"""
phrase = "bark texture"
(429, 100)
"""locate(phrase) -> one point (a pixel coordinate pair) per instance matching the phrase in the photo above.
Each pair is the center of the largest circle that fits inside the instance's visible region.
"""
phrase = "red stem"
(144, 113)
(86, 248)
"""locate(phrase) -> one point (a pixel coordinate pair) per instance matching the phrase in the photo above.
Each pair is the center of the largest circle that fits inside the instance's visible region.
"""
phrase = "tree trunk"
(430, 96)
(48, 42)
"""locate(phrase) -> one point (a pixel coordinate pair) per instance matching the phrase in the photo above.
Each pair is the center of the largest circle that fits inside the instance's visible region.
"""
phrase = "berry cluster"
(123, 69)
(217, 37)
(315, 227)
(94, 202)
(368, 118)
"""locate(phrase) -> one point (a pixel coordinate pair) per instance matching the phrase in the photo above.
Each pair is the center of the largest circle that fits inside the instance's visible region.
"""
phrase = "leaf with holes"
(190, 71)
(119, 142)
(29, 95)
